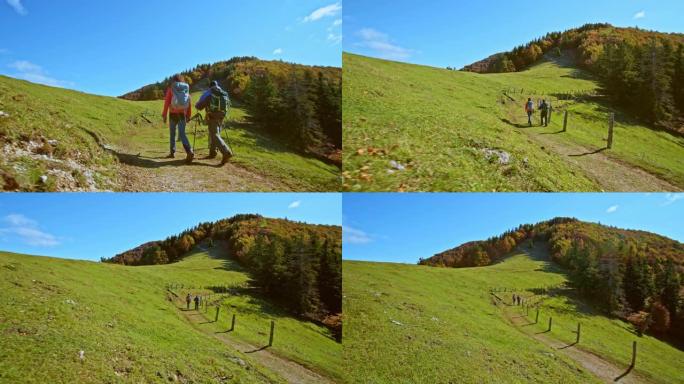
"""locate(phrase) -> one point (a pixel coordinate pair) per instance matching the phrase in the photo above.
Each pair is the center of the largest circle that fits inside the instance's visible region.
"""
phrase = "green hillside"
(85, 142)
(416, 128)
(132, 329)
(417, 324)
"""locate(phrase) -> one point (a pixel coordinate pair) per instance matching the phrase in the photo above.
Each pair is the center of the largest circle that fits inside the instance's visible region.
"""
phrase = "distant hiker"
(178, 107)
(216, 102)
(544, 108)
(529, 108)
(197, 300)
(188, 299)
(514, 299)
(519, 300)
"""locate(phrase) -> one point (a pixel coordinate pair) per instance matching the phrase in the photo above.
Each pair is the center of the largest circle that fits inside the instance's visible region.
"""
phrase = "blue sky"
(92, 225)
(113, 47)
(455, 33)
(404, 227)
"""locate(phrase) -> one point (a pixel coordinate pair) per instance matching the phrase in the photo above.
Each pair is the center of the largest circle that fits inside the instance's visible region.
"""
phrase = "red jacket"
(167, 104)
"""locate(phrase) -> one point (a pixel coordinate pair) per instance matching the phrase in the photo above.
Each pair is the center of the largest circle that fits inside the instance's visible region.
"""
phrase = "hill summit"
(641, 70)
(633, 274)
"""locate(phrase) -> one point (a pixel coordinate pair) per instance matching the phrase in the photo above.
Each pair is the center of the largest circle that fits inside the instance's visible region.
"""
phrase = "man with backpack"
(197, 302)
(216, 103)
(544, 108)
(529, 108)
(188, 299)
(178, 108)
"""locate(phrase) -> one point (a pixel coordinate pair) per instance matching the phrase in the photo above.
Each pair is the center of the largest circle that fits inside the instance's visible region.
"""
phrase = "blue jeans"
(178, 121)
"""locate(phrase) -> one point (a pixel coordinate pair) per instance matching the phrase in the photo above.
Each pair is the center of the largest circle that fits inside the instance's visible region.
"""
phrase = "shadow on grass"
(516, 125)
(624, 374)
(589, 153)
(156, 162)
(257, 350)
(553, 133)
(569, 345)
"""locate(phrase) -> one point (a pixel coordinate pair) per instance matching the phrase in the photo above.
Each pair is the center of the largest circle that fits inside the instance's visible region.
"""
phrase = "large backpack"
(181, 96)
(218, 102)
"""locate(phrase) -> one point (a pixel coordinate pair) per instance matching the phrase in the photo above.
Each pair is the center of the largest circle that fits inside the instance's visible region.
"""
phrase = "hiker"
(188, 299)
(178, 109)
(529, 108)
(514, 299)
(215, 102)
(519, 300)
(544, 108)
(197, 300)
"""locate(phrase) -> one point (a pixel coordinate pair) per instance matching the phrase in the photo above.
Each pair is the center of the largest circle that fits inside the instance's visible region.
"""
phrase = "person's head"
(529, 99)
(178, 78)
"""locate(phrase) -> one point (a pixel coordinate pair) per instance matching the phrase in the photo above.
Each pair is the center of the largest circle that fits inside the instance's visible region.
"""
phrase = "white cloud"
(36, 74)
(382, 45)
(295, 204)
(335, 38)
(18, 6)
(17, 220)
(671, 198)
(640, 15)
(20, 227)
(612, 209)
(352, 235)
(278, 51)
(337, 23)
(327, 11)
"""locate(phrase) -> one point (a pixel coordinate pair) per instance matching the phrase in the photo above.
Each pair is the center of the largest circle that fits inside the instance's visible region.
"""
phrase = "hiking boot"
(171, 155)
(225, 158)
(190, 157)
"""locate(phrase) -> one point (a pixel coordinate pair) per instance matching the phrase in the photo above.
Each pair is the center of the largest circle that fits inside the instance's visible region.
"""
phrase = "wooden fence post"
(217, 313)
(536, 319)
(550, 322)
(565, 121)
(633, 355)
(611, 124)
(270, 338)
(578, 333)
(232, 323)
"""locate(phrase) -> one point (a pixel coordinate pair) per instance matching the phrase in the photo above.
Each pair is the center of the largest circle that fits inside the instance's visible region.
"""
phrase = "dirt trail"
(152, 172)
(290, 371)
(603, 369)
(611, 174)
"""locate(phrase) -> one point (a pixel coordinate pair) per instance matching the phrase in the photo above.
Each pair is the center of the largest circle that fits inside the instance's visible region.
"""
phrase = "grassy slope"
(64, 115)
(123, 321)
(437, 121)
(451, 332)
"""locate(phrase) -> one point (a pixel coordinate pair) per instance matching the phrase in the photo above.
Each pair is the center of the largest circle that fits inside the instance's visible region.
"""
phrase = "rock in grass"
(397, 323)
(4, 114)
(504, 157)
(397, 165)
(43, 179)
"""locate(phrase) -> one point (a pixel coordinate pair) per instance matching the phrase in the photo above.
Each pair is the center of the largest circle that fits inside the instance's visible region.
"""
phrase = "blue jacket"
(204, 100)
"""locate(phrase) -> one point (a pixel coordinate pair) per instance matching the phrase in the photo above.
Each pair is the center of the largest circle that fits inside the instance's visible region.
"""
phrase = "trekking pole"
(194, 136)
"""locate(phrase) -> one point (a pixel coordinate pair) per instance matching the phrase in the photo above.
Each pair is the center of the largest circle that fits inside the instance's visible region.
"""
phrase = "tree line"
(301, 105)
(298, 265)
(642, 71)
(634, 275)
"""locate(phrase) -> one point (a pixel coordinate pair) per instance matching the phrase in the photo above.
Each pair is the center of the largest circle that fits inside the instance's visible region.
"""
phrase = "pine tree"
(672, 284)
